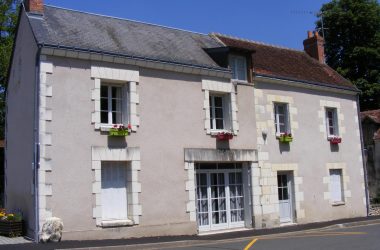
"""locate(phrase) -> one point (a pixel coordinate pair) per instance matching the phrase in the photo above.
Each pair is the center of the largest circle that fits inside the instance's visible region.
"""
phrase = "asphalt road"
(364, 237)
(361, 233)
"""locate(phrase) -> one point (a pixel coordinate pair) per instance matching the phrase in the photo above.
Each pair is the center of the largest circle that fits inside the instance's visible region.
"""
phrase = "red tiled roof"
(277, 62)
(374, 115)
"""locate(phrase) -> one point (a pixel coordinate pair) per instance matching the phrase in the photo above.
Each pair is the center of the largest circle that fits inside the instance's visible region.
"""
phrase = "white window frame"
(233, 60)
(333, 186)
(124, 104)
(335, 126)
(226, 107)
(277, 114)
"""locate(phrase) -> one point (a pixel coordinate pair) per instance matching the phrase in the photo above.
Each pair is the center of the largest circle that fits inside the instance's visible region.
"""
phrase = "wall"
(310, 155)
(171, 119)
(19, 127)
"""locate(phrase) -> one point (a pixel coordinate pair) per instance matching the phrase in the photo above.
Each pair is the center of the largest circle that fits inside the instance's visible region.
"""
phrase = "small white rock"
(51, 230)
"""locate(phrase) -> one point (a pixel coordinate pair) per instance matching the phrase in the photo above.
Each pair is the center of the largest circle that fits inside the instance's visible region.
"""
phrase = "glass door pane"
(218, 198)
(236, 197)
(202, 199)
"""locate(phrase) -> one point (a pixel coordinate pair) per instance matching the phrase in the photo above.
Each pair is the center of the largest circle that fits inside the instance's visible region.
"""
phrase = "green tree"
(352, 44)
(8, 22)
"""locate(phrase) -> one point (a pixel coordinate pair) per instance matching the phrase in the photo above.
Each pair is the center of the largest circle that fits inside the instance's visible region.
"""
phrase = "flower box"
(119, 130)
(335, 140)
(11, 228)
(285, 138)
(224, 136)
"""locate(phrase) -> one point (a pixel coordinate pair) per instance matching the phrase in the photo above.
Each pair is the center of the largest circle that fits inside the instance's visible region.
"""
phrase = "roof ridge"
(126, 19)
(256, 42)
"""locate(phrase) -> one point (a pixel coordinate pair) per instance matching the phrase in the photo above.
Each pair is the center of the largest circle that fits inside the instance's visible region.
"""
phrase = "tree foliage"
(352, 44)
(8, 22)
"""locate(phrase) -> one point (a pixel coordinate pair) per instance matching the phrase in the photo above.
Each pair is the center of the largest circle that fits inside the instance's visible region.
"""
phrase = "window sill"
(332, 136)
(116, 223)
(239, 81)
(338, 203)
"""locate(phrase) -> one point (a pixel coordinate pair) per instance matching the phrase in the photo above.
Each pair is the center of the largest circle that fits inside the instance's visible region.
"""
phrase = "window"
(281, 118)
(238, 66)
(332, 122)
(336, 185)
(219, 112)
(114, 190)
(112, 101)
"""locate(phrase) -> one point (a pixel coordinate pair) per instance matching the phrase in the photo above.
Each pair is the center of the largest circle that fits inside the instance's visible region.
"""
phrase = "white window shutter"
(125, 105)
(336, 185)
(287, 119)
(227, 112)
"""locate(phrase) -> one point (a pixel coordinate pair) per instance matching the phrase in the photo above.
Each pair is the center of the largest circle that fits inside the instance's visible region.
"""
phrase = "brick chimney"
(313, 46)
(34, 6)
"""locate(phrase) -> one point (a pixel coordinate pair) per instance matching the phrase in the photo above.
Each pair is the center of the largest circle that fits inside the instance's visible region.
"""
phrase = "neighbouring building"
(225, 133)
(371, 137)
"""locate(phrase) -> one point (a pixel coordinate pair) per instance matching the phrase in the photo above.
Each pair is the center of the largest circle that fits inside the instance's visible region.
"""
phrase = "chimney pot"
(313, 46)
(34, 6)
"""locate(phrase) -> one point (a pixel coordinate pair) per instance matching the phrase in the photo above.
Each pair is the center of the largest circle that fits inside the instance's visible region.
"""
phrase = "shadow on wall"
(284, 147)
(117, 142)
(334, 147)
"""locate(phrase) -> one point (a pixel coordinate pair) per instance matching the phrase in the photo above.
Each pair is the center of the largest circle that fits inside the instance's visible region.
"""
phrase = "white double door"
(285, 196)
(220, 199)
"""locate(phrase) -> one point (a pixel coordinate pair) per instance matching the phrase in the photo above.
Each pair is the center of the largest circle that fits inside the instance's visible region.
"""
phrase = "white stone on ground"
(52, 230)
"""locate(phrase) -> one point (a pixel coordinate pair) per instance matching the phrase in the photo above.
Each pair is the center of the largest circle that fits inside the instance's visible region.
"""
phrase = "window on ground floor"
(336, 187)
(114, 190)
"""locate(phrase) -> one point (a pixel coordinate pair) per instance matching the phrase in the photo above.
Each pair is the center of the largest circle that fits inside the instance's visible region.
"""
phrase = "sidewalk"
(16, 240)
(192, 239)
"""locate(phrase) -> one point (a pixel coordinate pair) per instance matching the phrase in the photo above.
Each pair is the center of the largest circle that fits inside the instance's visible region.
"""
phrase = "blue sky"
(279, 22)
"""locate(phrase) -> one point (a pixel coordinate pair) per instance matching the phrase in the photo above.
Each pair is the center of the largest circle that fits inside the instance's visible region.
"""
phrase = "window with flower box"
(332, 122)
(281, 118)
(113, 104)
(220, 118)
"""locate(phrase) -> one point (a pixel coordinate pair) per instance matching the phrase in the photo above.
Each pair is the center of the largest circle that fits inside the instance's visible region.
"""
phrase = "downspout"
(36, 158)
(363, 156)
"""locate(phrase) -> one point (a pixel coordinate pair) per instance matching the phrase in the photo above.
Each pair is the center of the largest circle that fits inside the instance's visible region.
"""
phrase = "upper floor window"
(332, 122)
(281, 118)
(111, 104)
(238, 66)
(219, 112)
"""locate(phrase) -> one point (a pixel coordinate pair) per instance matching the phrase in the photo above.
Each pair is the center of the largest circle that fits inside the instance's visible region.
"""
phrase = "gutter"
(36, 146)
(312, 84)
(363, 157)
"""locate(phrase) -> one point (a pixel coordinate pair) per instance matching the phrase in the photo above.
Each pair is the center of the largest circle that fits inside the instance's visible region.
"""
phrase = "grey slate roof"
(69, 28)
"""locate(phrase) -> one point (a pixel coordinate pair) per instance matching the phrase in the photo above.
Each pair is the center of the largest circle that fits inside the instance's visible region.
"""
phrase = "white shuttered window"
(114, 190)
(336, 185)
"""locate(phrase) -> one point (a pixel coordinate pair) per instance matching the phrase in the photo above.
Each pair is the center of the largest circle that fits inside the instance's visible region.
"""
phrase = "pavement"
(16, 240)
(357, 233)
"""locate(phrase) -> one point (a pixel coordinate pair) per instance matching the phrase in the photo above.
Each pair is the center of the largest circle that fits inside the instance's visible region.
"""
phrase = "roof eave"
(98, 55)
(309, 84)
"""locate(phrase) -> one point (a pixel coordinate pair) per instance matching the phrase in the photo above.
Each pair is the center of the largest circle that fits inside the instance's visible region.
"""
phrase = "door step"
(211, 232)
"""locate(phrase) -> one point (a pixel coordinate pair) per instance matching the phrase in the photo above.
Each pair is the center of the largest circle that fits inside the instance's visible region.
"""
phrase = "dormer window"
(238, 66)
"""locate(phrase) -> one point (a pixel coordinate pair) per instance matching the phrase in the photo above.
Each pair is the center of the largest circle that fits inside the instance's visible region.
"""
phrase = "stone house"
(224, 133)
(371, 138)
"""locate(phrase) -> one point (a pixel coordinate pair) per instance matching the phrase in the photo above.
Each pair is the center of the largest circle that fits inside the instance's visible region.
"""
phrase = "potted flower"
(285, 137)
(120, 130)
(334, 139)
(224, 135)
(10, 224)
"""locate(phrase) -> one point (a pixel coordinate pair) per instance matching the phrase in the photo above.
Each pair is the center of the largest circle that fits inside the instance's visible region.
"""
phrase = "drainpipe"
(363, 156)
(36, 153)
